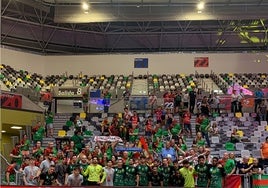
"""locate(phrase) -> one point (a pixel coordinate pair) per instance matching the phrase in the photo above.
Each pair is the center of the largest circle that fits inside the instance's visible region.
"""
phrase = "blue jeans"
(205, 135)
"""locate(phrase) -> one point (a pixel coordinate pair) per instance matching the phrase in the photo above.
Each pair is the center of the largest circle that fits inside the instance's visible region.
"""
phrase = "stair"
(211, 86)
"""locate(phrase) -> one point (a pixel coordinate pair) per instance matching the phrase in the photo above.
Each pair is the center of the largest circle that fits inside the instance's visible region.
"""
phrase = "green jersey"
(143, 171)
(130, 176)
(188, 176)
(229, 166)
(84, 167)
(216, 175)
(205, 125)
(203, 174)
(167, 172)
(119, 176)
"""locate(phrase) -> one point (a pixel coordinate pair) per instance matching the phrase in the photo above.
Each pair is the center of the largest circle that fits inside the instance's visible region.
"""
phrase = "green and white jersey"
(143, 171)
(216, 175)
(202, 172)
(119, 176)
(130, 176)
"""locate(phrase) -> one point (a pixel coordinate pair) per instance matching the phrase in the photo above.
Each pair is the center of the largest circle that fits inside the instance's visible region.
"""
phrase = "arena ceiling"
(117, 26)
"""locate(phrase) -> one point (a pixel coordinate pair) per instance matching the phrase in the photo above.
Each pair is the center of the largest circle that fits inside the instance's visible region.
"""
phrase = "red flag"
(233, 181)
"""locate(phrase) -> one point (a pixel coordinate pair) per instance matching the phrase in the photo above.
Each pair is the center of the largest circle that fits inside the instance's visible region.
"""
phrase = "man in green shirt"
(95, 173)
(143, 172)
(119, 174)
(187, 173)
(205, 124)
(202, 170)
(131, 174)
(216, 174)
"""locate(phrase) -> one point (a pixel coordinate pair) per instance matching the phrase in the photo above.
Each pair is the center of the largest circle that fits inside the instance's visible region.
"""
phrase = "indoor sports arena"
(134, 93)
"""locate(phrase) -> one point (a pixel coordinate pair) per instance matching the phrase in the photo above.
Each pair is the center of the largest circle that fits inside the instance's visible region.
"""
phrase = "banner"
(260, 181)
(248, 102)
(10, 100)
(135, 149)
(168, 103)
(233, 181)
(225, 100)
(201, 62)
(107, 139)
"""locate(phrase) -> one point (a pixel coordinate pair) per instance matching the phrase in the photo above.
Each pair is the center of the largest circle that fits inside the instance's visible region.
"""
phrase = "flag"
(233, 181)
(248, 102)
(260, 181)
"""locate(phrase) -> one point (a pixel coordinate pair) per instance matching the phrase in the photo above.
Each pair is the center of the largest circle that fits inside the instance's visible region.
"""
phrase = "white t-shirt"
(73, 180)
(109, 176)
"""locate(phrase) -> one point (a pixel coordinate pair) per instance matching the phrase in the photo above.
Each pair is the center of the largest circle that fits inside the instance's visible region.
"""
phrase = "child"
(214, 129)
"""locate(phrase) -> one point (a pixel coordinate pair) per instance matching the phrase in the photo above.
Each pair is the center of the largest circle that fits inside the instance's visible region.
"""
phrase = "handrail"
(4, 159)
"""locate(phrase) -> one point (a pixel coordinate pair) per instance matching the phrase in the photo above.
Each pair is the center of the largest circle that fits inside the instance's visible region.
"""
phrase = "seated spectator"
(235, 137)
(214, 131)
(105, 127)
(198, 140)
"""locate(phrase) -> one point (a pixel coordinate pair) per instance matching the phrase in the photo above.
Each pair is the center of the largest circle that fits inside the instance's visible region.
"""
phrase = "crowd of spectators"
(159, 157)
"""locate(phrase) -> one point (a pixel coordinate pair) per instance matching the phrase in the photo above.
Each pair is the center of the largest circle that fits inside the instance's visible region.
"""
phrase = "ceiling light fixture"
(200, 5)
(3, 131)
(16, 127)
(85, 6)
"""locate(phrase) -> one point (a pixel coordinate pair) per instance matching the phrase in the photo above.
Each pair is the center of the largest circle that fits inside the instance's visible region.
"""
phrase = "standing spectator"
(25, 146)
(49, 123)
(106, 99)
(152, 102)
(109, 171)
(95, 173)
(15, 155)
(155, 178)
(192, 97)
(187, 173)
(105, 127)
(229, 165)
(262, 110)
(45, 164)
(205, 125)
(31, 173)
(216, 174)
(85, 102)
(186, 118)
(49, 177)
(264, 152)
(78, 141)
(131, 174)
(177, 101)
(258, 98)
(142, 173)
(10, 174)
(168, 151)
(240, 98)
(149, 126)
(166, 171)
(37, 149)
(126, 95)
(119, 174)
(216, 103)
(75, 179)
(202, 172)
(243, 168)
(205, 106)
(234, 101)
(135, 120)
(185, 99)
(50, 149)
